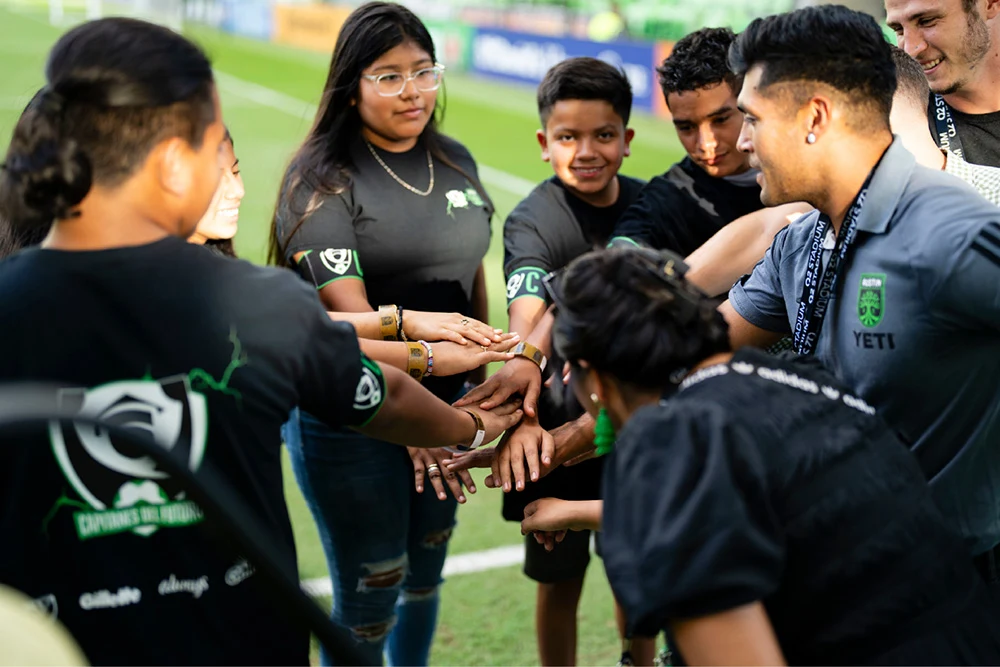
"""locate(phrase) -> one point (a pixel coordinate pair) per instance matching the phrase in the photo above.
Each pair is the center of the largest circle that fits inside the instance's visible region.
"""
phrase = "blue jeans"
(385, 543)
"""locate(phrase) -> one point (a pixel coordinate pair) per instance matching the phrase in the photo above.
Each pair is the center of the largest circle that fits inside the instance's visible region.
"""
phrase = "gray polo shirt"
(914, 326)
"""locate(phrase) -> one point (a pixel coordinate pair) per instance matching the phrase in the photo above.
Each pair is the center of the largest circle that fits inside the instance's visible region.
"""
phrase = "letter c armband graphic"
(526, 281)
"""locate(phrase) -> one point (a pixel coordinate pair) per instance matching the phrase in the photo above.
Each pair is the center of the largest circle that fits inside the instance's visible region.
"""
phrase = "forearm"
(524, 315)
(388, 352)
(587, 514)
(573, 439)
(366, 325)
(541, 334)
(414, 417)
(736, 248)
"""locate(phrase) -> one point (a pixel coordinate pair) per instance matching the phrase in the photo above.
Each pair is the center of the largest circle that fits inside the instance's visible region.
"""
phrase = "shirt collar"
(886, 189)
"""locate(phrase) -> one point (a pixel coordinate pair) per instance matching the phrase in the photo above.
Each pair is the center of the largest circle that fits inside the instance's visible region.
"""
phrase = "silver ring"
(465, 321)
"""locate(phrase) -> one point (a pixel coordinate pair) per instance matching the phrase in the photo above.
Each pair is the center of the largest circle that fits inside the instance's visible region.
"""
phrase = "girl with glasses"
(382, 212)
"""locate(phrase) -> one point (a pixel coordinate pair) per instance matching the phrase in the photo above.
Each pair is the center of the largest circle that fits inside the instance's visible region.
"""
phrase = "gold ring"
(433, 466)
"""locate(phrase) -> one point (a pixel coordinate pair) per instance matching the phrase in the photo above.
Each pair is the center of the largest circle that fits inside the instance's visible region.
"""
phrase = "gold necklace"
(430, 168)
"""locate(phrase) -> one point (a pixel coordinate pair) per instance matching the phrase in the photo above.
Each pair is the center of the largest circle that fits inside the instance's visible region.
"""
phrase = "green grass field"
(267, 92)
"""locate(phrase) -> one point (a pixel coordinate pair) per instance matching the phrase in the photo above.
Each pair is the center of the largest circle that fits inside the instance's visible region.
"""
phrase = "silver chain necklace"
(430, 168)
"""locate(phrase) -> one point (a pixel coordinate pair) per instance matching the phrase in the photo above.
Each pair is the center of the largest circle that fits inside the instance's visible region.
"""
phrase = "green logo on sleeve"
(871, 299)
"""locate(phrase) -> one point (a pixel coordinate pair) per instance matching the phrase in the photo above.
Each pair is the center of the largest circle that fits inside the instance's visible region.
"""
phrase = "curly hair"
(699, 60)
(624, 315)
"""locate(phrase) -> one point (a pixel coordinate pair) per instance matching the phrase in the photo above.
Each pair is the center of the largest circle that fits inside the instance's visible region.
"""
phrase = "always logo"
(124, 489)
(196, 587)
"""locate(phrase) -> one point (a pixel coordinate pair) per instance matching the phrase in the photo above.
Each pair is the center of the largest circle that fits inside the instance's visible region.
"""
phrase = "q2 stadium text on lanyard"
(818, 290)
(946, 133)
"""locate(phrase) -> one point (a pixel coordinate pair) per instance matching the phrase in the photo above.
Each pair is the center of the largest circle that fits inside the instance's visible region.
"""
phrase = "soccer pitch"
(268, 96)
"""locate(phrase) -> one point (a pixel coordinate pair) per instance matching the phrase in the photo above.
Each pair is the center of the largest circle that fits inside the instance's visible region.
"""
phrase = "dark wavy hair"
(585, 79)
(828, 44)
(699, 60)
(630, 312)
(323, 164)
(114, 89)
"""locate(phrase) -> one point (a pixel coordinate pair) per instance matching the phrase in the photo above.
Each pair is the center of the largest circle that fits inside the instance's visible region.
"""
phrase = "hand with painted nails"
(454, 358)
(428, 464)
(420, 325)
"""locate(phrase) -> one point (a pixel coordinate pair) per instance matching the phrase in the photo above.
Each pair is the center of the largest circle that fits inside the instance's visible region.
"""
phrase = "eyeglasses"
(391, 84)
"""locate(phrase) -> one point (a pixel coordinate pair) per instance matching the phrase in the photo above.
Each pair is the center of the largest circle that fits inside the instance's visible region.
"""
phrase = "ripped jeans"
(385, 543)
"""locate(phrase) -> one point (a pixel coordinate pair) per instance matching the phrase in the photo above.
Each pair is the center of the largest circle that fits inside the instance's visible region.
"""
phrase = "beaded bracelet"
(430, 356)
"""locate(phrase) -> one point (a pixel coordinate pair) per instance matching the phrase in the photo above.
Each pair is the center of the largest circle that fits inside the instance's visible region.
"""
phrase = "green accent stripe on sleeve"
(319, 287)
(620, 241)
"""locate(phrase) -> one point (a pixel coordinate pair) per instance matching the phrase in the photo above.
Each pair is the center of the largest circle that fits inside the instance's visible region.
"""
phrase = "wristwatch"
(531, 352)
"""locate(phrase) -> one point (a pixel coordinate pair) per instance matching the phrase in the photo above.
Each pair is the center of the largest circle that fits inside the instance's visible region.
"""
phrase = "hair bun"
(52, 174)
(57, 178)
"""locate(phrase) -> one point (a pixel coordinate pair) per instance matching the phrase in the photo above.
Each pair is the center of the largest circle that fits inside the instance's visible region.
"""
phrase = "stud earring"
(810, 138)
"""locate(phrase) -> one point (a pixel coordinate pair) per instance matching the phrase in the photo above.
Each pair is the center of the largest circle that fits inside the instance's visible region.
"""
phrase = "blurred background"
(271, 60)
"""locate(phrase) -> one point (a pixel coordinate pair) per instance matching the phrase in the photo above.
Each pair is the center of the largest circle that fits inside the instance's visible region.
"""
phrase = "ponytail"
(50, 171)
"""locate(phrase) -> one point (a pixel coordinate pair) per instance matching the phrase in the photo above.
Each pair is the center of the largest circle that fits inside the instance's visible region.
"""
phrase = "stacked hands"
(526, 452)
(461, 344)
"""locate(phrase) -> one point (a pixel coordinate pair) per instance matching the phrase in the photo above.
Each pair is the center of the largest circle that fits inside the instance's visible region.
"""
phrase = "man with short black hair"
(957, 44)
(894, 282)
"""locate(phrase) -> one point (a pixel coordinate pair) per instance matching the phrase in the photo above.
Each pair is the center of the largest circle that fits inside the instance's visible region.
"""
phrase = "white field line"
(305, 111)
(468, 563)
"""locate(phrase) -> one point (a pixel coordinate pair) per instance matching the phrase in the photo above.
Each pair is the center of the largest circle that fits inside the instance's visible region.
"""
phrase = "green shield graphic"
(871, 299)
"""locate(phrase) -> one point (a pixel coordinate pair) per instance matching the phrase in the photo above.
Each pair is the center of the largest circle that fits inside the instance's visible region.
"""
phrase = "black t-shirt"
(551, 227)
(979, 134)
(420, 253)
(684, 207)
(207, 353)
(765, 479)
